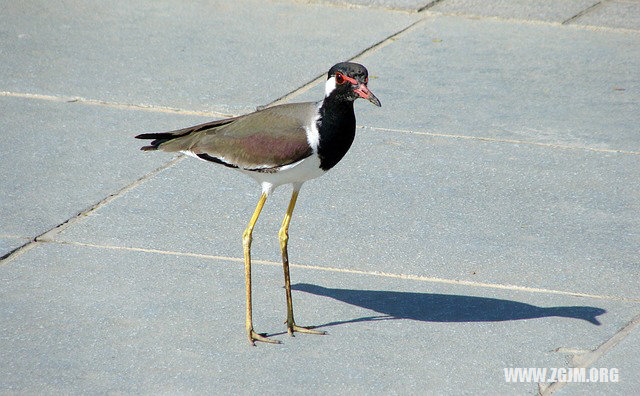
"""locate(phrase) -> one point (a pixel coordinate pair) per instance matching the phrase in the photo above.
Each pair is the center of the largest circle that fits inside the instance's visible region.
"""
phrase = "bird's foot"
(261, 337)
(294, 328)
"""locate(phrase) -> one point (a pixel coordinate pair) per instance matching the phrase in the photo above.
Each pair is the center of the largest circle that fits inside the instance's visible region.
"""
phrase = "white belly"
(296, 173)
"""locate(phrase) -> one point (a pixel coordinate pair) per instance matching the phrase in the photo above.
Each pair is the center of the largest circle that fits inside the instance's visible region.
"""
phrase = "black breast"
(337, 129)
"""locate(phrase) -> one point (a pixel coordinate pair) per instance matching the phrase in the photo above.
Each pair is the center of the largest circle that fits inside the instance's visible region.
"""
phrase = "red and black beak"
(363, 91)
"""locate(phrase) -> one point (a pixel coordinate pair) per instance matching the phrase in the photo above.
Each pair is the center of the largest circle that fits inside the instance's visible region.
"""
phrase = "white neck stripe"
(329, 86)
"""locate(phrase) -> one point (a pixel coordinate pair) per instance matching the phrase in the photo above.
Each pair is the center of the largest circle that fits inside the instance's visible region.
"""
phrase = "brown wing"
(268, 138)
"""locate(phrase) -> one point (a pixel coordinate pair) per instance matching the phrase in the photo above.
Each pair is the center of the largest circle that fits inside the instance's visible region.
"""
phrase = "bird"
(278, 145)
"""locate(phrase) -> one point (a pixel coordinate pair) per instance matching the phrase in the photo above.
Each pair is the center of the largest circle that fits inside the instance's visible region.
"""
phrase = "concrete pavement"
(485, 218)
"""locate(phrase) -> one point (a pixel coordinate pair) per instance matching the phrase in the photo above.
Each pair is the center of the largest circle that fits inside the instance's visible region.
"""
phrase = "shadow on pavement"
(430, 307)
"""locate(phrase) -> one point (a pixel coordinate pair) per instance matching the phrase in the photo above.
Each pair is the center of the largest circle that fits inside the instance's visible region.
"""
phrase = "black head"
(348, 81)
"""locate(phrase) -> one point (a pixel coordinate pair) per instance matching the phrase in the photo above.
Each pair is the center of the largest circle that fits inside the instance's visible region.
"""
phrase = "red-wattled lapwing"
(285, 144)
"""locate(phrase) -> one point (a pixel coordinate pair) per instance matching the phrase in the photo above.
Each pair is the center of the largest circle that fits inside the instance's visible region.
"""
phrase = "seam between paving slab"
(421, 278)
(116, 105)
(11, 236)
(496, 140)
(533, 22)
(581, 13)
(586, 359)
(427, 6)
(48, 235)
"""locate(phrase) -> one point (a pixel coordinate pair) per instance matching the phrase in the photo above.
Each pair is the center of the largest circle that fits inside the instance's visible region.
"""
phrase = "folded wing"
(267, 139)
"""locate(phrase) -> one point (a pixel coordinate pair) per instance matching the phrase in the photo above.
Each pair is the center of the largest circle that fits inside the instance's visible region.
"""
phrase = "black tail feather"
(163, 137)
(158, 139)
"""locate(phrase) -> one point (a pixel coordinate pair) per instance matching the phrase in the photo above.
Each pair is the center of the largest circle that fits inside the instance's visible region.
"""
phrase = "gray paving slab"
(106, 321)
(616, 14)
(623, 358)
(403, 203)
(219, 55)
(59, 159)
(7, 244)
(543, 10)
(503, 80)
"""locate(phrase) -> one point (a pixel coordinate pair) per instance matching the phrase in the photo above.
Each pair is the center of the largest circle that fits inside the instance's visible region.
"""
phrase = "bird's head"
(348, 81)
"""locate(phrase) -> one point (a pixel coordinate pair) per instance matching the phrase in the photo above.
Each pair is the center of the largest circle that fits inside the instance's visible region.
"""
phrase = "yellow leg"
(246, 244)
(284, 238)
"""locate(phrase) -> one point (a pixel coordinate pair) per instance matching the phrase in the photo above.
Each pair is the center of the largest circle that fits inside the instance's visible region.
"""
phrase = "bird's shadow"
(431, 307)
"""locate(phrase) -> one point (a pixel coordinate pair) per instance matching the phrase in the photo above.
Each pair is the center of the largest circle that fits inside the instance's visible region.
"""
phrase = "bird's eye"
(340, 78)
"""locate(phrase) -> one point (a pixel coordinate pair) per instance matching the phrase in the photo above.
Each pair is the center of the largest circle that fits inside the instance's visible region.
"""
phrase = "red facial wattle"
(360, 89)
